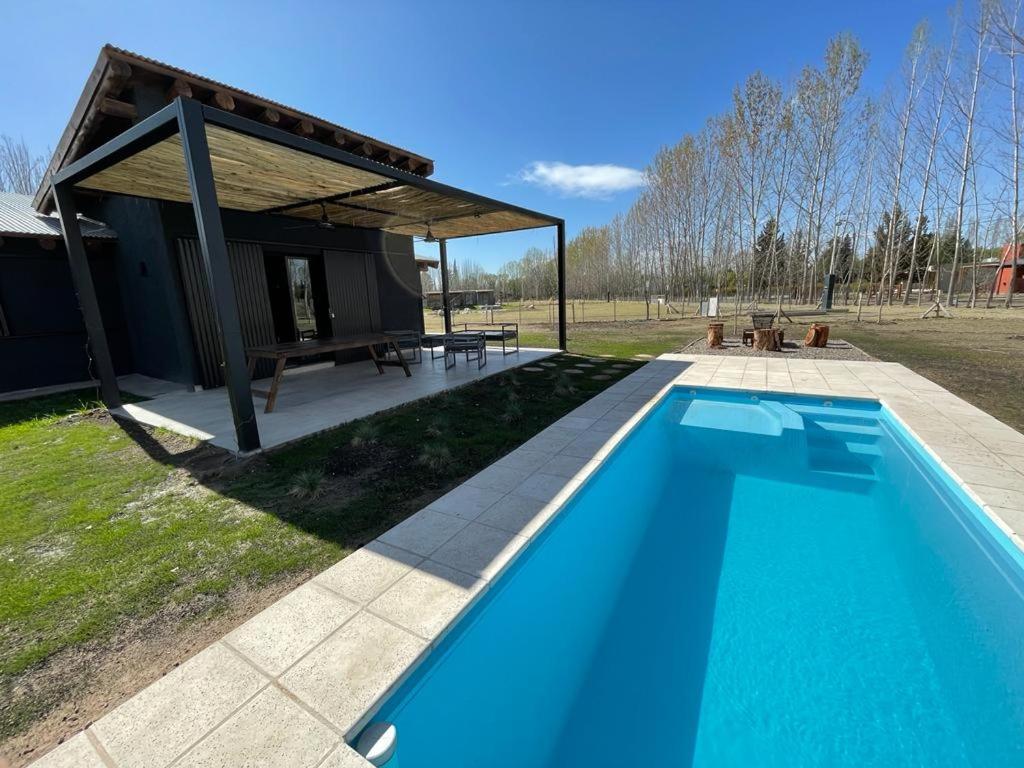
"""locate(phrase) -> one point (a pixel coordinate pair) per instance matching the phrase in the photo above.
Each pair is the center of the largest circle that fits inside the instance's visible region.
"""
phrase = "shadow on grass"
(350, 484)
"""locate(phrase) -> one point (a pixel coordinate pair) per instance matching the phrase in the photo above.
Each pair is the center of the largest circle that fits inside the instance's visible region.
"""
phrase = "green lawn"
(106, 526)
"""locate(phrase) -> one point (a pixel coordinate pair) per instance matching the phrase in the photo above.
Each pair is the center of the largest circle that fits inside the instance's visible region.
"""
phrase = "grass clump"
(308, 484)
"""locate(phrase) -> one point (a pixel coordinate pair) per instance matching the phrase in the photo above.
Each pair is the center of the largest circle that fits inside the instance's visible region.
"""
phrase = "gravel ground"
(837, 349)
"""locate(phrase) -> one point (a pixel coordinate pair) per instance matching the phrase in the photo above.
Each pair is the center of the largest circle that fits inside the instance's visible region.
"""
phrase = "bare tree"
(20, 170)
(967, 105)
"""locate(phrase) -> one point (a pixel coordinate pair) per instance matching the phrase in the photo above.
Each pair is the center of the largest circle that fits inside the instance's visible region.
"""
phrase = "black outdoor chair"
(470, 343)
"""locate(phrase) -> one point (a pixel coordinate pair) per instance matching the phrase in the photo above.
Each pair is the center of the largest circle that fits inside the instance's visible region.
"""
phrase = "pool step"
(825, 413)
(864, 433)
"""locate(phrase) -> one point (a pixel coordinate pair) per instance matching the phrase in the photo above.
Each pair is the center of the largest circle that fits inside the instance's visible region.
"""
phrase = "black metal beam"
(86, 290)
(334, 198)
(283, 138)
(446, 304)
(140, 136)
(218, 271)
(560, 256)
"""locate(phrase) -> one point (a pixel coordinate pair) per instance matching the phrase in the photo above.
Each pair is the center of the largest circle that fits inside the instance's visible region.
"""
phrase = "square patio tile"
(517, 514)
(278, 637)
(551, 440)
(498, 478)
(524, 460)
(423, 532)
(544, 487)
(588, 445)
(996, 477)
(479, 550)
(353, 668)
(345, 757)
(162, 721)
(466, 501)
(427, 598)
(565, 465)
(271, 730)
(1000, 497)
(368, 571)
(76, 752)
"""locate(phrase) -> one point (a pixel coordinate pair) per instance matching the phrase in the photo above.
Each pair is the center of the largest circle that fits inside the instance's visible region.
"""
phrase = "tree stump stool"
(716, 335)
(767, 340)
(817, 336)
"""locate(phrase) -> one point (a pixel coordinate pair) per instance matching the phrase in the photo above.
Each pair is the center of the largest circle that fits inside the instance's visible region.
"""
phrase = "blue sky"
(487, 90)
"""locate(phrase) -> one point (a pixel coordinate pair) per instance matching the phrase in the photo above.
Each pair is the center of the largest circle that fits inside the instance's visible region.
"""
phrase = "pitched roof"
(101, 113)
(19, 219)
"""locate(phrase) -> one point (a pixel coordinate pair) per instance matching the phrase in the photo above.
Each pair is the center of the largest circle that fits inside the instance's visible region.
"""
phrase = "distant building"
(460, 299)
(1010, 268)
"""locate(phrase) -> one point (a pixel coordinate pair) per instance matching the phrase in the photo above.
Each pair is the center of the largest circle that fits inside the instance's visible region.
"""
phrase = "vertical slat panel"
(372, 294)
(352, 291)
(250, 278)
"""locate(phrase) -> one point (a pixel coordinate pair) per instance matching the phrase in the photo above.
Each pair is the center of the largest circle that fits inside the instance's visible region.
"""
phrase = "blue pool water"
(746, 581)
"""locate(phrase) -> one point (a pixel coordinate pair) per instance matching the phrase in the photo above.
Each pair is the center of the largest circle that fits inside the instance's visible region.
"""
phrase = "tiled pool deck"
(290, 685)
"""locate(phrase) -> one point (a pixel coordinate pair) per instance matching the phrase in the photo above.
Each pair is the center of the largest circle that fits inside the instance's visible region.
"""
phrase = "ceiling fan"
(429, 237)
(323, 223)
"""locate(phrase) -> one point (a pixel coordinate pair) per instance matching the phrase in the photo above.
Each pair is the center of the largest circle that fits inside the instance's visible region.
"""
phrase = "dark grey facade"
(155, 302)
(42, 337)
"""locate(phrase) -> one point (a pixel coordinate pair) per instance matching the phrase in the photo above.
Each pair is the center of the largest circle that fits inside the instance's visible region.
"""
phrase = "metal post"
(560, 256)
(446, 304)
(86, 291)
(218, 271)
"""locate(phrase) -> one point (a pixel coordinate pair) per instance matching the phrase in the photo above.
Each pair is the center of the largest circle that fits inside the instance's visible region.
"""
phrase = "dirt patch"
(84, 683)
(836, 350)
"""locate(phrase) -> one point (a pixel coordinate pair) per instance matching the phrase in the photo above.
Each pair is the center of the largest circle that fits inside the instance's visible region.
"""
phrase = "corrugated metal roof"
(19, 219)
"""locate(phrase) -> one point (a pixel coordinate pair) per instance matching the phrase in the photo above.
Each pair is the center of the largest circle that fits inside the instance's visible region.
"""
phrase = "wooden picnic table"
(281, 353)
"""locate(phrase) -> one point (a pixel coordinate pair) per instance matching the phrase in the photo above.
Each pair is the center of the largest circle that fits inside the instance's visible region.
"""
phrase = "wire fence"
(612, 310)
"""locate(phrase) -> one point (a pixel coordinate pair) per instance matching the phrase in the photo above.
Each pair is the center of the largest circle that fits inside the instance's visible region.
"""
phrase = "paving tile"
(345, 757)
(162, 721)
(574, 422)
(466, 501)
(479, 549)
(423, 532)
(587, 445)
(517, 514)
(76, 752)
(427, 598)
(1013, 518)
(368, 571)
(564, 465)
(551, 440)
(996, 477)
(498, 478)
(1000, 497)
(271, 731)
(278, 637)
(353, 668)
(953, 454)
(544, 487)
(524, 460)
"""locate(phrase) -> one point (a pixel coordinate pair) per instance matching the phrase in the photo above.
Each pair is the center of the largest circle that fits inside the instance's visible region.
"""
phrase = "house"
(458, 299)
(234, 222)
(1010, 268)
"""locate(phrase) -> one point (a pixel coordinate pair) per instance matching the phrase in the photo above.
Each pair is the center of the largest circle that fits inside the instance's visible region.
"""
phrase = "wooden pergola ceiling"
(256, 175)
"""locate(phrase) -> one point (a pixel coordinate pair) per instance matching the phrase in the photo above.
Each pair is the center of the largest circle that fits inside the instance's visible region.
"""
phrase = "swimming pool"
(746, 580)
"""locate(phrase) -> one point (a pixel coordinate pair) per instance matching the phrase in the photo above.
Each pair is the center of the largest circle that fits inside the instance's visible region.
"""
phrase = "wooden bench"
(281, 353)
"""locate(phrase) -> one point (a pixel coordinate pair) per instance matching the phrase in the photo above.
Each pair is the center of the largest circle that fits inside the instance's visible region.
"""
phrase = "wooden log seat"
(767, 340)
(817, 336)
(716, 335)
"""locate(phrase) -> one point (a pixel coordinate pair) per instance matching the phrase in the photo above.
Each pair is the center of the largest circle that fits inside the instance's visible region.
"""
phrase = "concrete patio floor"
(314, 398)
(293, 684)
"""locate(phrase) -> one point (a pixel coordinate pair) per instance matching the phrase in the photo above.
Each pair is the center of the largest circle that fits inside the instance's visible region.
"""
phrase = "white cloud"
(595, 181)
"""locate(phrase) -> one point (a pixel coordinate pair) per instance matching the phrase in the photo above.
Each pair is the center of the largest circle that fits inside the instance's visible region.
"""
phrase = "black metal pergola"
(189, 121)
